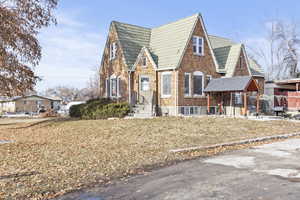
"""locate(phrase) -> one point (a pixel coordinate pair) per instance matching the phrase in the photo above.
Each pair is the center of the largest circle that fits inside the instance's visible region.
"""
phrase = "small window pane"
(166, 84)
(144, 62)
(182, 110)
(191, 110)
(187, 84)
(145, 85)
(200, 47)
(114, 87)
(195, 39)
(198, 85)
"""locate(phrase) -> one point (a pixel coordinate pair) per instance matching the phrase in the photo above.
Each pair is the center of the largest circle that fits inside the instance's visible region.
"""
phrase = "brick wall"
(114, 67)
(191, 63)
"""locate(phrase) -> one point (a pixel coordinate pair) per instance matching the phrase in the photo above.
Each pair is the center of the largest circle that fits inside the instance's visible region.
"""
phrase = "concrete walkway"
(267, 172)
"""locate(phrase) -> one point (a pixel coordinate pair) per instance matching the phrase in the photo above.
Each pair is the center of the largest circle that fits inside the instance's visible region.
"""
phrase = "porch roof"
(233, 84)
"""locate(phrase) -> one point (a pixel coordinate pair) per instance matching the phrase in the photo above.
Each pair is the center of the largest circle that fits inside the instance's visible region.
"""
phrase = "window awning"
(233, 84)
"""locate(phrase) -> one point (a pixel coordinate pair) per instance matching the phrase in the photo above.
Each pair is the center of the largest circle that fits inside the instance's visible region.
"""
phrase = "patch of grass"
(55, 157)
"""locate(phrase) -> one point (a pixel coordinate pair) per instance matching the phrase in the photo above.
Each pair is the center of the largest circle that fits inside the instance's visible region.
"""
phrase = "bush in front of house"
(99, 109)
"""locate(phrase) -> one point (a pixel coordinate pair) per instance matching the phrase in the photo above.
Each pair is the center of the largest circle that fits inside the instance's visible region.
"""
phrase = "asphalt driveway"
(267, 172)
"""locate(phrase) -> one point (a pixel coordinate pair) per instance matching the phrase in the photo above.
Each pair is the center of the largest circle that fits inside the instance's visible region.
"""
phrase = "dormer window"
(144, 61)
(113, 51)
(198, 45)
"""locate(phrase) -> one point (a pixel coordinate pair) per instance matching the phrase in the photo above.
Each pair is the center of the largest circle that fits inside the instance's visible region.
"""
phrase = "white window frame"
(198, 45)
(144, 58)
(110, 85)
(118, 87)
(144, 76)
(190, 85)
(198, 73)
(162, 85)
(112, 51)
(107, 87)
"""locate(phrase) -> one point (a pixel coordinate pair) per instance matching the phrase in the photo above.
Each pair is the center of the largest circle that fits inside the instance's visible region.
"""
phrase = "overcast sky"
(73, 48)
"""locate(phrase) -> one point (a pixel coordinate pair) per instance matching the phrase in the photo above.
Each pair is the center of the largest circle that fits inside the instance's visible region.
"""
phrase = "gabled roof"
(227, 54)
(167, 45)
(168, 42)
(132, 39)
(234, 84)
(150, 56)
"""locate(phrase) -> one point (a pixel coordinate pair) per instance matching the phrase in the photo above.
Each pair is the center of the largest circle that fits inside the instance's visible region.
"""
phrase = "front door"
(145, 91)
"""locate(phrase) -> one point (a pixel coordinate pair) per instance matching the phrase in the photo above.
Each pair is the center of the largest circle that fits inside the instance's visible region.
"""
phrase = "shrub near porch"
(99, 109)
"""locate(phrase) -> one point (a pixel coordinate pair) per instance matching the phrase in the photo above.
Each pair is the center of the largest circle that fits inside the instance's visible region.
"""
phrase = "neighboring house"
(29, 104)
(283, 94)
(167, 68)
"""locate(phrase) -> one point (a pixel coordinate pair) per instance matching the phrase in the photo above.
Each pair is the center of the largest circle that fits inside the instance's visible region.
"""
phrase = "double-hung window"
(187, 84)
(198, 81)
(114, 87)
(198, 45)
(166, 84)
(113, 51)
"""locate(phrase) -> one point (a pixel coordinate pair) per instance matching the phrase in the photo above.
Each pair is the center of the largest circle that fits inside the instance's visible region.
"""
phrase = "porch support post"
(208, 103)
(245, 104)
(257, 103)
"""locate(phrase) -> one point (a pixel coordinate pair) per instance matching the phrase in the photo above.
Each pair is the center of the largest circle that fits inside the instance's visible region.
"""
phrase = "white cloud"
(70, 52)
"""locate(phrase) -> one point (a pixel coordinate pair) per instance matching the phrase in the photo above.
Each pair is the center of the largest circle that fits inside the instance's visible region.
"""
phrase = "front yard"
(53, 157)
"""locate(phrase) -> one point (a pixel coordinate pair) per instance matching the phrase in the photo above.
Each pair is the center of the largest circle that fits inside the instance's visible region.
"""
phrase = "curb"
(260, 139)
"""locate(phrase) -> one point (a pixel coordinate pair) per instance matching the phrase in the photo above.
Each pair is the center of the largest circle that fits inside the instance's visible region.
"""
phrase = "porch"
(233, 96)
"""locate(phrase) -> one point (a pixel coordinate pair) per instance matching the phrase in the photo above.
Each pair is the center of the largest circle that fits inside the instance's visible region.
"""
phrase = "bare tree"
(93, 85)
(279, 50)
(20, 51)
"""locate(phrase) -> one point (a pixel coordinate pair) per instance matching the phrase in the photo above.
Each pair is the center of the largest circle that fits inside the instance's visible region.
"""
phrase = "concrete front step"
(141, 111)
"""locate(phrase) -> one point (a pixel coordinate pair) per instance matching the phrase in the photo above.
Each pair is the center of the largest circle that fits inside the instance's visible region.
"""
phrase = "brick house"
(165, 70)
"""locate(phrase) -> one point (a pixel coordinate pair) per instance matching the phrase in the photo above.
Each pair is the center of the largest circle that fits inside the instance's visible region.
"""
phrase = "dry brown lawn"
(53, 157)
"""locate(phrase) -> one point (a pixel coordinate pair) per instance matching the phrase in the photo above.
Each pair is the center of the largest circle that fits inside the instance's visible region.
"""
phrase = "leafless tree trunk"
(280, 53)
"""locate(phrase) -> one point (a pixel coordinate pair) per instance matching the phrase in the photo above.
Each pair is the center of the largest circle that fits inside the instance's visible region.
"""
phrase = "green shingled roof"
(167, 44)
(132, 39)
(227, 54)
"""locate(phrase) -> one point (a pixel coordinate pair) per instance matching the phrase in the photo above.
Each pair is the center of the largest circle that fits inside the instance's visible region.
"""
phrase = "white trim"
(144, 49)
(190, 84)
(110, 85)
(162, 83)
(197, 38)
(107, 87)
(118, 87)
(198, 73)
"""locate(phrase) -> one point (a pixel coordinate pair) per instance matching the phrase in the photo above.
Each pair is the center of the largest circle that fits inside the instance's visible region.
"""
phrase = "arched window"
(198, 82)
